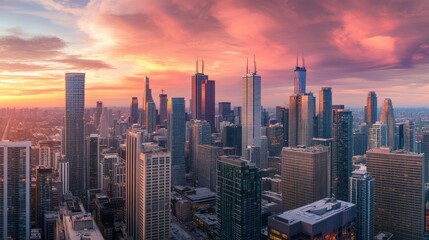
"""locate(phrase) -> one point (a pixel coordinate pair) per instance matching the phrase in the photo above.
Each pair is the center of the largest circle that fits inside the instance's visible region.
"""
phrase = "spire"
(202, 66)
(254, 64)
(247, 66)
(303, 62)
(196, 66)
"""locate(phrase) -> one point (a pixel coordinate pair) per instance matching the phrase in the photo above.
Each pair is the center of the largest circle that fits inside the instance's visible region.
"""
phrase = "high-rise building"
(104, 124)
(238, 199)
(251, 111)
(325, 113)
(97, 114)
(371, 108)
(208, 111)
(150, 117)
(147, 97)
(399, 199)
(224, 110)
(154, 193)
(176, 139)
(207, 158)
(329, 144)
(300, 78)
(45, 156)
(326, 218)
(197, 81)
(15, 190)
(134, 110)
(200, 134)
(342, 153)
(134, 148)
(50, 226)
(282, 116)
(407, 136)
(301, 119)
(231, 137)
(275, 136)
(377, 136)
(44, 198)
(425, 150)
(388, 118)
(74, 131)
(304, 175)
(163, 107)
(237, 115)
(93, 175)
(63, 170)
(360, 143)
(362, 195)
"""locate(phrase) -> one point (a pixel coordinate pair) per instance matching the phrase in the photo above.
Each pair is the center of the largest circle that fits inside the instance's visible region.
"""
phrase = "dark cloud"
(34, 48)
(77, 62)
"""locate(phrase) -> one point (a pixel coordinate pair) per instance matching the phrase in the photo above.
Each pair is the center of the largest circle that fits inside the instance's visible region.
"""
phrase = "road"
(6, 129)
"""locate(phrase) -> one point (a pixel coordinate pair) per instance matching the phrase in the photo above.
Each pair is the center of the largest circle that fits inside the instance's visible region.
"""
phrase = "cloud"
(34, 48)
(77, 62)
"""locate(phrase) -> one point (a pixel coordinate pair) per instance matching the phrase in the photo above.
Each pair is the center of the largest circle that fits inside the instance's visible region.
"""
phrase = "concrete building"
(207, 158)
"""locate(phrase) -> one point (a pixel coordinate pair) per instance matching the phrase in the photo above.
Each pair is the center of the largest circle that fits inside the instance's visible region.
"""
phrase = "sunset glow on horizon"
(352, 46)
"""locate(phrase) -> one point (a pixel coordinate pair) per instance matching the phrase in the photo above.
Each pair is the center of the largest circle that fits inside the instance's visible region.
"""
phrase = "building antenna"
(254, 63)
(303, 61)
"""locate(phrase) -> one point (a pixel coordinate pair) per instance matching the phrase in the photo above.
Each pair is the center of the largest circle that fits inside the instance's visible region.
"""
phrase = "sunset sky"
(352, 46)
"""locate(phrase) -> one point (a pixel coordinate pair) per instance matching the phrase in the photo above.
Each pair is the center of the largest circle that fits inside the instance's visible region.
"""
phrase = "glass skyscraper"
(388, 118)
(300, 78)
(74, 131)
(371, 108)
(325, 113)
(176, 139)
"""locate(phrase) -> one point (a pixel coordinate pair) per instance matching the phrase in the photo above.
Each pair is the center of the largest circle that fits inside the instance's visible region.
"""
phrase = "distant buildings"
(377, 136)
(399, 199)
(147, 98)
(74, 131)
(388, 118)
(93, 162)
(44, 197)
(134, 110)
(239, 207)
(163, 107)
(327, 218)
(371, 108)
(15, 190)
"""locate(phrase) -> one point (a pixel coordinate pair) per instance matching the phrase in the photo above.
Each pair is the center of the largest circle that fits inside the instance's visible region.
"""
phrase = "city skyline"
(44, 39)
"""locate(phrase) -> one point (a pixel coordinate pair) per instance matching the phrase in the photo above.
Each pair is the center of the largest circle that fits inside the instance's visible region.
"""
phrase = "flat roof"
(93, 234)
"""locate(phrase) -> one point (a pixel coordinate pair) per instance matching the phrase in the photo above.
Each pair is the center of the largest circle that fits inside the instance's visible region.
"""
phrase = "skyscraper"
(304, 175)
(399, 199)
(44, 197)
(301, 119)
(300, 78)
(224, 110)
(147, 97)
(93, 162)
(231, 137)
(377, 135)
(176, 139)
(207, 158)
(98, 110)
(425, 151)
(134, 110)
(282, 116)
(163, 107)
(197, 81)
(406, 136)
(251, 110)
(371, 108)
(325, 113)
(150, 117)
(342, 134)
(388, 118)
(134, 148)
(15, 190)
(154, 193)
(275, 137)
(238, 199)
(200, 134)
(104, 124)
(362, 194)
(208, 102)
(74, 130)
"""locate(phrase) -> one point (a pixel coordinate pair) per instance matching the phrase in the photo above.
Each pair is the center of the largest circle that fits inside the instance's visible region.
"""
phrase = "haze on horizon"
(352, 46)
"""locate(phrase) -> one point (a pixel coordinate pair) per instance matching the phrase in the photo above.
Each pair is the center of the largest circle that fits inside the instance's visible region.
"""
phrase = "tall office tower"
(224, 110)
(362, 194)
(328, 143)
(98, 111)
(251, 111)
(134, 110)
(282, 116)
(147, 97)
(275, 136)
(425, 150)
(377, 136)
(325, 113)
(163, 107)
(15, 190)
(197, 81)
(207, 161)
(150, 117)
(388, 118)
(399, 138)
(200, 134)
(263, 157)
(134, 147)
(301, 119)
(360, 143)
(409, 136)
(399, 200)
(93, 175)
(265, 117)
(63, 170)
(326, 218)
(176, 139)
(342, 134)
(74, 130)
(208, 102)
(238, 199)
(304, 175)
(154, 193)
(44, 198)
(299, 78)
(45, 156)
(50, 226)
(104, 124)
(237, 115)
(231, 137)
(371, 108)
